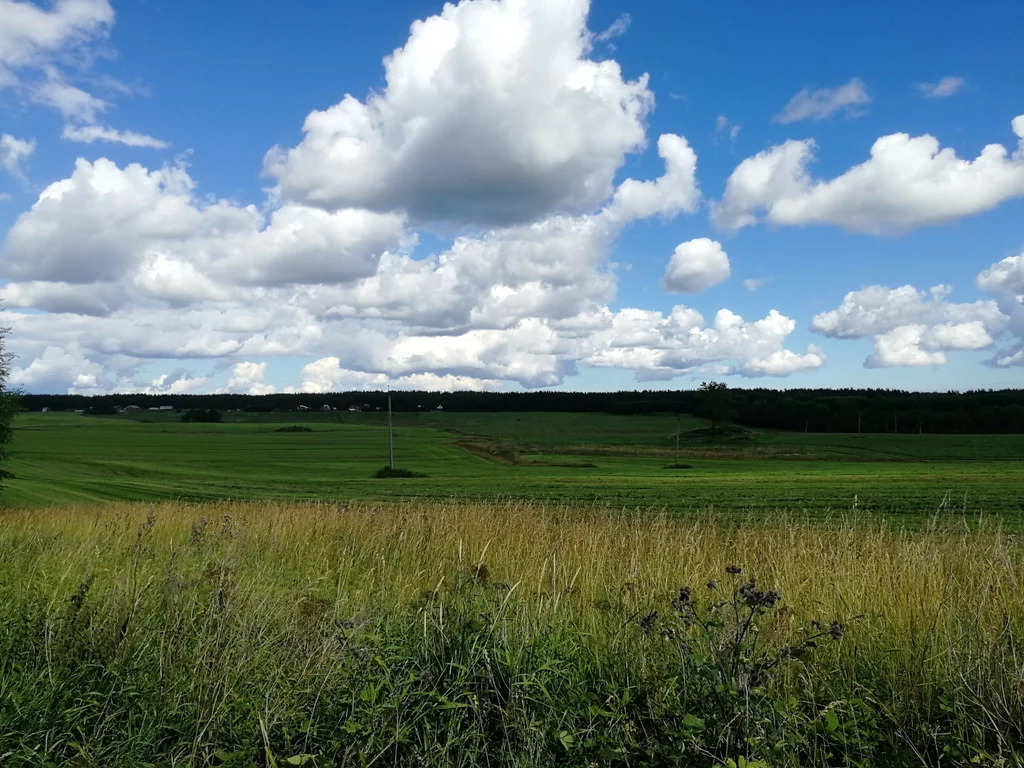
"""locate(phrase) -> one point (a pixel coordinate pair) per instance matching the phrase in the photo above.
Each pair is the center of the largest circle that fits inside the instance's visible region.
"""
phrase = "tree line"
(810, 410)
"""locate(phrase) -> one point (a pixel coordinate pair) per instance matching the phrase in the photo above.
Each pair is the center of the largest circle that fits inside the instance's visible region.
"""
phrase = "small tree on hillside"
(8, 404)
(715, 404)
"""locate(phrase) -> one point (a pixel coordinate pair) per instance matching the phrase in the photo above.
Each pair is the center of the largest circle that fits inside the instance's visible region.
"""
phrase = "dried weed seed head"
(198, 529)
(480, 574)
(648, 622)
(684, 600)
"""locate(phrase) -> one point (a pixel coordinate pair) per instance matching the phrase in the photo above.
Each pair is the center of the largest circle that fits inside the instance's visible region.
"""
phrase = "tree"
(204, 415)
(8, 404)
(714, 403)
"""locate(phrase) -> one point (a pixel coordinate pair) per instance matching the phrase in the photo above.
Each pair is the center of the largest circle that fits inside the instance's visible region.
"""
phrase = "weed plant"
(514, 635)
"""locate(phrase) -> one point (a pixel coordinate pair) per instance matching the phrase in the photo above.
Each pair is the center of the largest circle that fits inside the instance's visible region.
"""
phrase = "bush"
(293, 428)
(390, 472)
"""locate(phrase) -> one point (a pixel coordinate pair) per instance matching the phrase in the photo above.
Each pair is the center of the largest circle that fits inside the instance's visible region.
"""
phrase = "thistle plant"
(729, 652)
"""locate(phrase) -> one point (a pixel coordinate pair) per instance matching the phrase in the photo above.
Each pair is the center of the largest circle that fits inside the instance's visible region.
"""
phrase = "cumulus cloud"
(907, 182)
(104, 222)
(329, 375)
(13, 153)
(696, 265)
(87, 134)
(492, 114)
(753, 283)
(55, 369)
(911, 327)
(825, 102)
(250, 379)
(1005, 281)
(495, 116)
(663, 346)
(947, 86)
(552, 268)
(674, 192)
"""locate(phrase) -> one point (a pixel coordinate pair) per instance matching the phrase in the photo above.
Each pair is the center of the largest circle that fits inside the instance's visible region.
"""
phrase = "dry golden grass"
(933, 615)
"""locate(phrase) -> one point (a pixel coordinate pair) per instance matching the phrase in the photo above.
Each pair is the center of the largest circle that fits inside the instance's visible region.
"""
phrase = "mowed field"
(579, 459)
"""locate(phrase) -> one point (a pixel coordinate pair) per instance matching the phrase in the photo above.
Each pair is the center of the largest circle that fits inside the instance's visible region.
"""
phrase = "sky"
(511, 195)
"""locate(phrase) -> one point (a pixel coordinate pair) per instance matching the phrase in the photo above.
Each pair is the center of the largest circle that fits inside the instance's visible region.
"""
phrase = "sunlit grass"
(180, 634)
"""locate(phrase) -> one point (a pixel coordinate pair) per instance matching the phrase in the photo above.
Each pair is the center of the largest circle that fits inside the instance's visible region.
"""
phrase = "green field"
(550, 593)
(610, 461)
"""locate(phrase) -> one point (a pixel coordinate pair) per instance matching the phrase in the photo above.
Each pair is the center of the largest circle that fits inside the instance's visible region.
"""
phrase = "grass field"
(177, 594)
(276, 634)
(611, 461)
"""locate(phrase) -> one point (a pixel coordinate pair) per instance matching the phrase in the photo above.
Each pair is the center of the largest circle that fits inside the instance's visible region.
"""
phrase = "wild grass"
(460, 634)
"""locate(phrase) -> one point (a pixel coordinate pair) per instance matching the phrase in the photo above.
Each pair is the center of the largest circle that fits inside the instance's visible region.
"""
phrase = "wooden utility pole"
(391, 435)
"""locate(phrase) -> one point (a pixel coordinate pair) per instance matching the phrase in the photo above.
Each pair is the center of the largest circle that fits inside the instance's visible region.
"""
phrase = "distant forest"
(811, 410)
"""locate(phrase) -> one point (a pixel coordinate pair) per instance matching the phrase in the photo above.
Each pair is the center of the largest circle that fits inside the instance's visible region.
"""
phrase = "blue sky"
(511, 194)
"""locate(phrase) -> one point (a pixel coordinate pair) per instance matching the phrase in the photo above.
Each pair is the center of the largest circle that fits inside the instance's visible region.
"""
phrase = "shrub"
(395, 472)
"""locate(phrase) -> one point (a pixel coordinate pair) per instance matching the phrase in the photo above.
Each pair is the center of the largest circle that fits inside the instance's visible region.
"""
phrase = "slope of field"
(562, 458)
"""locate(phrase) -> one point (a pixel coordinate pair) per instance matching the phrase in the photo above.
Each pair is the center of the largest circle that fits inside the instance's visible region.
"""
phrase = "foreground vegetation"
(453, 634)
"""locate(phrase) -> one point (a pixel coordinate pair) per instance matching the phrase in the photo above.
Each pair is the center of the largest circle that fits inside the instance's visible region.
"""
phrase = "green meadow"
(590, 459)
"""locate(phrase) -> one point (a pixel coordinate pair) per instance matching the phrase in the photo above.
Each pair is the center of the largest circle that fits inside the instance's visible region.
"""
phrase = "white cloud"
(947, 86)
(105, 222)
(753, 283)
(13, 153)
(674, 192)
(30, 35)
(825, 102)
(662, 347)
(696, 265)
(726, 128)
(908, 182)
(328, 375)
(492, 114)
(915, 328)
(55, 368)
(72, 102)
(41, 48)
(88, 134)
(616, 29)
(1005, 281)
(100, 300)
(178, 383)
(250, 379)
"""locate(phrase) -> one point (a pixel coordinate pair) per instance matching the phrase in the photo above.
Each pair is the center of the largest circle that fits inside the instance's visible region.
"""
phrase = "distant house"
(325, 408)
(46, 410)
(132, 409)
(302, 408)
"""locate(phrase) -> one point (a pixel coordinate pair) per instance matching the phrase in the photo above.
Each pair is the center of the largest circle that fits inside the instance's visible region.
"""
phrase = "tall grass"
(459, 634)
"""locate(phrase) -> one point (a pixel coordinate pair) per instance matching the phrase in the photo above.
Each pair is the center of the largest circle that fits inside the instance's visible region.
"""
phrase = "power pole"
(679, 422)
(391, 435)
